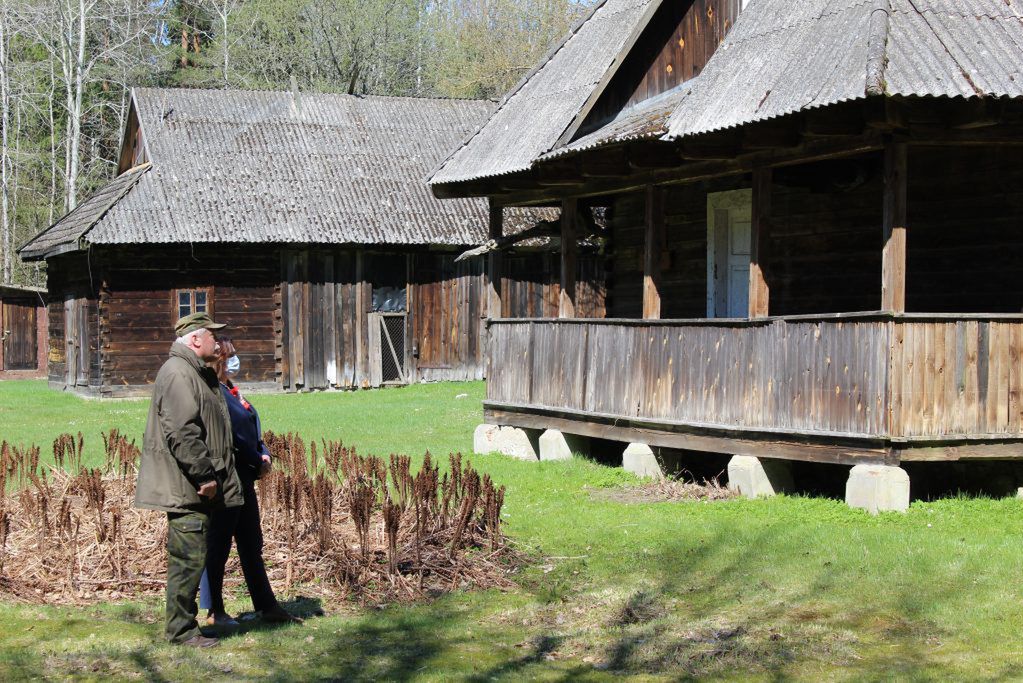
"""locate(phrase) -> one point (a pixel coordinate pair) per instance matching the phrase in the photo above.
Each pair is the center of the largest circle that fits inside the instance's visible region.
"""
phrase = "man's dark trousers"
(186, 558)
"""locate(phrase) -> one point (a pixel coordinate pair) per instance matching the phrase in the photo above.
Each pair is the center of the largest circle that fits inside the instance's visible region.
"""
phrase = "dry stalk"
(73, 537)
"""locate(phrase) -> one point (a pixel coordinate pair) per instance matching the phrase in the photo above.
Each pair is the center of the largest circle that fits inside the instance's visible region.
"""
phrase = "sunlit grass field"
(787, 588)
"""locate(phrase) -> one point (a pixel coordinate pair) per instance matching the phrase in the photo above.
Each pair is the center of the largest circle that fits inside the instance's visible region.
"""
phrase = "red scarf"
(237, 395)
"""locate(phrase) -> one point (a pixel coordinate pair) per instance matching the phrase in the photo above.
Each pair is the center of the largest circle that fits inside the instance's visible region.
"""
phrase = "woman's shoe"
(221, 620)
(279, 615)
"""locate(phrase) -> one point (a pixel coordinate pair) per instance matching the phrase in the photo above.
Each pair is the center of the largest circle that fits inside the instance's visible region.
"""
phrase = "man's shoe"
(222, 620)
(200, 641)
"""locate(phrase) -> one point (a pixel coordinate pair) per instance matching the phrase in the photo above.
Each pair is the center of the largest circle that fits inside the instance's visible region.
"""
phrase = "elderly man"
(188, 466)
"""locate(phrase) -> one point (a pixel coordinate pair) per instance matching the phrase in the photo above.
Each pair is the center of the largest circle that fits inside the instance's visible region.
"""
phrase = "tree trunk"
(5, 159)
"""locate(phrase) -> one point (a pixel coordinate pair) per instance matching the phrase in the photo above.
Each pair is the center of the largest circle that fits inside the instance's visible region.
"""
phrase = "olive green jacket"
(188, 440)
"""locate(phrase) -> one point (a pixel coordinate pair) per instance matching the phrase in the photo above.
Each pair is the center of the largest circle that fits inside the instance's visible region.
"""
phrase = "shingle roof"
(239, 166)
(781, 57)
(534, 115)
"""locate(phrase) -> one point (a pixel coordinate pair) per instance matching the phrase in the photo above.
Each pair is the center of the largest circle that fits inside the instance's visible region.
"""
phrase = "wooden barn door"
(76, 340)
(447, 317)
(20, 350)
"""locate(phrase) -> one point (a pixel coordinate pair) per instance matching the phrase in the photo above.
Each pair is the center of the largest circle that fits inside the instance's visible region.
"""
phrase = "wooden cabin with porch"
(303, 222)
(815, 248)
(23, 340)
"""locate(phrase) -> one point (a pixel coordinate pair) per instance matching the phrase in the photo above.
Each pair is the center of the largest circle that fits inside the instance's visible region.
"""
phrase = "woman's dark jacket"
(248, 438)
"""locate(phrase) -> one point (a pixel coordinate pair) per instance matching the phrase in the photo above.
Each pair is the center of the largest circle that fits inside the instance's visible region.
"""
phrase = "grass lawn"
(764, 590)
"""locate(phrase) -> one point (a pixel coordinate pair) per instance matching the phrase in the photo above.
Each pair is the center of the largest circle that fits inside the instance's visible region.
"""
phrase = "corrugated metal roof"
(72, 227)
(646, 121)
(781, 57)
(535, 114)
(237, 166)
(819, 55)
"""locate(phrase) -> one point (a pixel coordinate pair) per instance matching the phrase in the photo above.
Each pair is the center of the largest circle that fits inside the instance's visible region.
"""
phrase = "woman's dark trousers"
(242, 525)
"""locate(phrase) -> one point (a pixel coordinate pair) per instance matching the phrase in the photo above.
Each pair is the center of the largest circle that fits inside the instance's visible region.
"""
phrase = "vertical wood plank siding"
(447, 306)
(957, 378)
(324, 341)
(800, 376)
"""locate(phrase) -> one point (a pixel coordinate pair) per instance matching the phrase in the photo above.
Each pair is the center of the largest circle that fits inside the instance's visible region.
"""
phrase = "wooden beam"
(997, 135)
(677, 436)
(495, 264)
(611, 162)
(771, 136)
(559, 173)
(653, 155)
(692, 151)
(652, 250)
(760, 234)
(687, 172)
(893, 257)
(569, 249)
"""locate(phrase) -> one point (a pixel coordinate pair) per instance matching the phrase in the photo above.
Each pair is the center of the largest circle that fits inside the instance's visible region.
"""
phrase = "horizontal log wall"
(137, 309)
(825, 244)
(531, 285)
(965, 221)
(812, 377)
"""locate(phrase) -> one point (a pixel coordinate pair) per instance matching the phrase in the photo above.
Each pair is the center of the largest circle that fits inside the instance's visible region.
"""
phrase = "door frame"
(718, 202)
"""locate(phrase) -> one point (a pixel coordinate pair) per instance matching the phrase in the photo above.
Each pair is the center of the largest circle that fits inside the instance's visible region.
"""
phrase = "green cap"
(195, 321)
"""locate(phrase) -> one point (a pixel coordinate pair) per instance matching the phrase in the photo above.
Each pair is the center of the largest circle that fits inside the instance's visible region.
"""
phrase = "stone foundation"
(641, 460)
(511, 441)
(755, 478)
(878, 488)
(555, 445)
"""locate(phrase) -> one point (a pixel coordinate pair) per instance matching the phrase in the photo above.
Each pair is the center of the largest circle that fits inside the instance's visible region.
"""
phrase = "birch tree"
(83, 37)
(6, 226)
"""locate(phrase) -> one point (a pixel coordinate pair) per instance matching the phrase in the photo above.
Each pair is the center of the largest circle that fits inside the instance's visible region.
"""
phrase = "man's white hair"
(186, 339)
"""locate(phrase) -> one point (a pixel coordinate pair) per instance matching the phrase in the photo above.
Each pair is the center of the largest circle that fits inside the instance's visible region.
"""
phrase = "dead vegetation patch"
(670, 489)
(338, 524)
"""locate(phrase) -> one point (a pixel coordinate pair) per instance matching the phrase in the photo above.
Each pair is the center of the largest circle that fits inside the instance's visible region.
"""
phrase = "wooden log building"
(815, 218)
(23, 335)
(304, 222)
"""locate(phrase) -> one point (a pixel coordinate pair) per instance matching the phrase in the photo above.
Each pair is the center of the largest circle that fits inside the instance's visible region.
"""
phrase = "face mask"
(233, 365)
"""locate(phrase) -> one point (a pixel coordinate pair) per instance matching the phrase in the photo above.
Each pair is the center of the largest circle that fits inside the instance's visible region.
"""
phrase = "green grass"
(773, 589)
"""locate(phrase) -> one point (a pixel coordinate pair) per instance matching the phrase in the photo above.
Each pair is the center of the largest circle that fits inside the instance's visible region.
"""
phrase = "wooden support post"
(495, 264)
(569, 248)
(760, 234)
(653, 251)
(893, 256)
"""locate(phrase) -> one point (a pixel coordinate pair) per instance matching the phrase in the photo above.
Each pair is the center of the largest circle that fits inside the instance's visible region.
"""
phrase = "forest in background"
(67, 66)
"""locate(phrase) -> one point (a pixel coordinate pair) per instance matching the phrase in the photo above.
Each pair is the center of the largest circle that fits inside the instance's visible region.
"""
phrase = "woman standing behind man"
(240, 524)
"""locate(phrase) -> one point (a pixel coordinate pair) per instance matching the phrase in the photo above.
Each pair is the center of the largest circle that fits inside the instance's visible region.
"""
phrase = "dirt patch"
(665, 490)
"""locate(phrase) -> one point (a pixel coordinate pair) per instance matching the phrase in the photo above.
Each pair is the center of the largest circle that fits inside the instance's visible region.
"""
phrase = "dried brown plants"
(335, 523)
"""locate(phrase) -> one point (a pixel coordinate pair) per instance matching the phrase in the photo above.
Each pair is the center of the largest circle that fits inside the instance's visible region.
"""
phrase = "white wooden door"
(729, 219)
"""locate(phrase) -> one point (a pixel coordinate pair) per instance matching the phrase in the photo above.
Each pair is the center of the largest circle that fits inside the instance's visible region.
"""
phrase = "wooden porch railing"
(858, 375)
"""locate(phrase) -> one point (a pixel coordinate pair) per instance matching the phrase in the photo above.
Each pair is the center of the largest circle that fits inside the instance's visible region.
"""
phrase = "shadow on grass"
(772, 635)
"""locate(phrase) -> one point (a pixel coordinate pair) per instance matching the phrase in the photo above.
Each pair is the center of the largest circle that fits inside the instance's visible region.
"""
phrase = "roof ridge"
(247, 91)
(878, 27)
